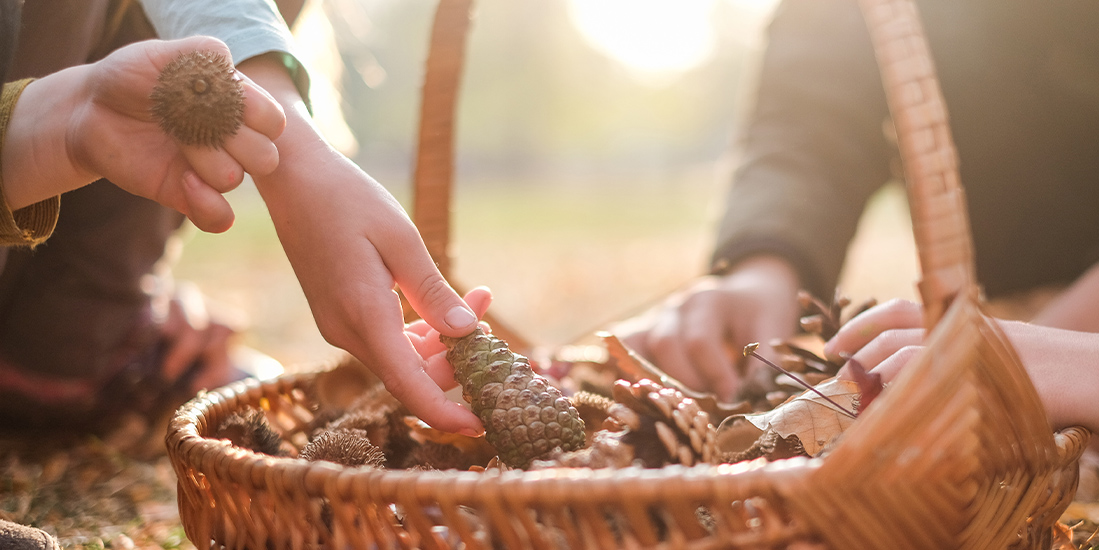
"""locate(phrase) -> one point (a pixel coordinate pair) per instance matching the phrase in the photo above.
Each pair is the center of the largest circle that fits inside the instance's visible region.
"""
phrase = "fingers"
(858, 332)
(389, 353)
(886, 344)
(479, 298)
(426, 340)
(889, 367)
(261, 112)
(667, 350)
(424, 287)
(703, 335)
(206, 208)
(162, 52)
(215, 167)
(256, 153)
(411, 385)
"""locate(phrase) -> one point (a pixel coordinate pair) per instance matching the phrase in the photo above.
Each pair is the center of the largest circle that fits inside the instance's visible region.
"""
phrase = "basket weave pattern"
(956, 453)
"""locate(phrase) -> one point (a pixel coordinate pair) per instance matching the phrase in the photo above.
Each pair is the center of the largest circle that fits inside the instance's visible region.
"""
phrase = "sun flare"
(649, 36)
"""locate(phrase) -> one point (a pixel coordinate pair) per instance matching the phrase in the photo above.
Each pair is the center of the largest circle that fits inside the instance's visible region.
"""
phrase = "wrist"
(1060, 364)
(39, 155)
(769, 267)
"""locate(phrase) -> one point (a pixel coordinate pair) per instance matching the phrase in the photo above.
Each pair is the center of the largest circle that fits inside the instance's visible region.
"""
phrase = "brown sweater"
(34, 224)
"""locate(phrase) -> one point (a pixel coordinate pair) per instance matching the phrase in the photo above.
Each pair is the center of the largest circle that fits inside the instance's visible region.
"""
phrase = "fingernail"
(470, 432)
(459, 317)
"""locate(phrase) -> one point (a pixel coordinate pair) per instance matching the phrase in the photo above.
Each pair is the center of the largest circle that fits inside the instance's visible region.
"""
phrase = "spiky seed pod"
(346, 447)
(376, 423)
(198, 99)
(249, 429)
(525, 417)
(662, 422)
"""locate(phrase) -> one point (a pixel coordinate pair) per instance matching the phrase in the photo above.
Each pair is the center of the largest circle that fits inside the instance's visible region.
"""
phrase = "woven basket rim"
(185, 438)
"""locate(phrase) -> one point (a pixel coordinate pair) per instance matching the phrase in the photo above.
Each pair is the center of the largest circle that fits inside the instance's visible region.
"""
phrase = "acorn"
(199, 99)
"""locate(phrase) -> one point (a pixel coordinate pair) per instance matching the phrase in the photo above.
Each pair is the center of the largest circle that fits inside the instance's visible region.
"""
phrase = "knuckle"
(397, 385)
(433, 290)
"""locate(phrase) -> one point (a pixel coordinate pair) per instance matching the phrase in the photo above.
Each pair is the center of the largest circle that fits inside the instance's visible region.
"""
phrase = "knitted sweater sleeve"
(33, 224)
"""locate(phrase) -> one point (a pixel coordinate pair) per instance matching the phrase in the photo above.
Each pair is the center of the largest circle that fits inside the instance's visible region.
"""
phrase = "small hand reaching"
(1061, 363)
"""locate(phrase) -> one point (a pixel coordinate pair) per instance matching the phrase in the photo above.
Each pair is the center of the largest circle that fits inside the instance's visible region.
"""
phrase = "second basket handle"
(940, 219)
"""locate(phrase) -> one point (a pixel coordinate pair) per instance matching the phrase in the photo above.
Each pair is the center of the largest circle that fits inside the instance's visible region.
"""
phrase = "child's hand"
(93, 121)
(885, 335)
(113, 135)
(1060, 362)
(110, 133)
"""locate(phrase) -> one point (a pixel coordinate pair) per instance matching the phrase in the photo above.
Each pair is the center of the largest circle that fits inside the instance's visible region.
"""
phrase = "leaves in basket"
(813, 419)
(870, 384)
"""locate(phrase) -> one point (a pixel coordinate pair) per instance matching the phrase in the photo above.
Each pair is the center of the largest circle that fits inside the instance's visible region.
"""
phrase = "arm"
(812, 153)
(349, 241)
(346, 237)
(1061, 363)
(1077, 308)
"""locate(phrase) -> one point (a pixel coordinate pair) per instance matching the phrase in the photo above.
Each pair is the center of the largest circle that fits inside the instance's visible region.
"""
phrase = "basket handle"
(434, 173)
(940, 219)
(433, 177)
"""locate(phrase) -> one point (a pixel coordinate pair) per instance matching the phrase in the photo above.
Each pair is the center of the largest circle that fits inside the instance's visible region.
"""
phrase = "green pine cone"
(524, 416)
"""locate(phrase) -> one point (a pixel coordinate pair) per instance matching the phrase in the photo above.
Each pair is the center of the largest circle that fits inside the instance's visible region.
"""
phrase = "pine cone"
(664, 425)
(649, 424)
(524, 416)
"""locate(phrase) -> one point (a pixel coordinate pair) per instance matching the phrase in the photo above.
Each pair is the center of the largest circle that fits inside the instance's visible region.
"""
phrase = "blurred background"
(595, 143)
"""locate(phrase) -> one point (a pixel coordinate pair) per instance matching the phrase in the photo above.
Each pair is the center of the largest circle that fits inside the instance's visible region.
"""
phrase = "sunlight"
(649, 36)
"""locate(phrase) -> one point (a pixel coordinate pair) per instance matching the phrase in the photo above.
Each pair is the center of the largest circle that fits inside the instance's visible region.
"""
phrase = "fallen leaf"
(810, 417)
(870, 384)
(1062, 537)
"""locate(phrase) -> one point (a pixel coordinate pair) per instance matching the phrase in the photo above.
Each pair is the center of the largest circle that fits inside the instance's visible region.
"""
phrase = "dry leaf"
(1062, 537)
(810, 417)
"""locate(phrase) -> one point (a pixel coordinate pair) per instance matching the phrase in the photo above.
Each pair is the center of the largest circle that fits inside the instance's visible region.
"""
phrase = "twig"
(750, 349)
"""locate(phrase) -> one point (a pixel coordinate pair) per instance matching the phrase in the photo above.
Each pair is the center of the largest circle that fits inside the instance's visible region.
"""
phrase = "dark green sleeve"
(813, 149)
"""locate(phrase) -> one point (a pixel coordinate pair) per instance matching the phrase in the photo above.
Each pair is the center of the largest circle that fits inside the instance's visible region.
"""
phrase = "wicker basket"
(956, 454)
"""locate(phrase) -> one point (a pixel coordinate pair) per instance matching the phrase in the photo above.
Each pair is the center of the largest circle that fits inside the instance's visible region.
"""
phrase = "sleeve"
(34, 224)
(813, 150)
(249, 27)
